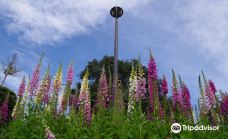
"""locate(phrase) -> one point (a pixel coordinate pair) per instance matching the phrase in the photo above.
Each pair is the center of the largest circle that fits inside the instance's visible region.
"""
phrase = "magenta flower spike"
(4, 111)
(70, 74)
(34, 83)
(212, 86)
(21, 89)
(186, 99)
(210, 97)
(152, 84)
(164, 86)
(103, 95)
(224, 105)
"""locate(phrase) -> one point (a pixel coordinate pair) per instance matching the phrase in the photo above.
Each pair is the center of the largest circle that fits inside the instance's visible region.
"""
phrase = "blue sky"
(187, 36)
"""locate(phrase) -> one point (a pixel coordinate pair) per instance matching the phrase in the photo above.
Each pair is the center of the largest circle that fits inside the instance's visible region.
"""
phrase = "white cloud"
(206, 22)
(50, 21)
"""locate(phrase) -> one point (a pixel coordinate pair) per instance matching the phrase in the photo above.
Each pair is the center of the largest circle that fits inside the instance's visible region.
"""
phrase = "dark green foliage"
(12, 98)
(95, 67)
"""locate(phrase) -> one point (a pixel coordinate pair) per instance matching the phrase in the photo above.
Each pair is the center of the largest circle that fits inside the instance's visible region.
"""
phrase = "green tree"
(12, 98)
(95, 67)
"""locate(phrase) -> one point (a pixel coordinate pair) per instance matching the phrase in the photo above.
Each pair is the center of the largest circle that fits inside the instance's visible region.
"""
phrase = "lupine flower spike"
(42, 95)
(57, 84)
(103, 95)
(4, 111)
(67, 90)
(141, 84)
(175, 92)
(132, 91)
(21, 91)
(84, 99)
(35, 78)
(152, 85)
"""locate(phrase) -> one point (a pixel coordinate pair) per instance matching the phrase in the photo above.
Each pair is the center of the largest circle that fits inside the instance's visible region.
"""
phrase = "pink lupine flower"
(4, 111)
(49, 134)
(186, 99)
(164, 86)
(140, 89)
(70, 74)
(84, 99)
(21, 89)
(35, 79)
(152, 81)
(212, 86)
(141, 84)
(87, 109)
(175, 92)
(103, 95)
(210, 96)
(224, 105)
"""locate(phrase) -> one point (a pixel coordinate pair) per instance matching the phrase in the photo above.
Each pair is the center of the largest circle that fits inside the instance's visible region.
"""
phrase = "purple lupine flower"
(212, 86)
(164, 86)
(175, 92)
(21, 89)
(140, 89)
(70, 74)
(103, 95)
(35, 79)
(4, 111)
(186, 99)
(49, 134)
(153, 90)
(224, 105)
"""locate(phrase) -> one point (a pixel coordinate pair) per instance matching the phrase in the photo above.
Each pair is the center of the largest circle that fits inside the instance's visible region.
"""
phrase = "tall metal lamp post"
(116, 12)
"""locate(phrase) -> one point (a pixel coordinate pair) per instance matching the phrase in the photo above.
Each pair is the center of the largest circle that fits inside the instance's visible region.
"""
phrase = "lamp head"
(116, 12)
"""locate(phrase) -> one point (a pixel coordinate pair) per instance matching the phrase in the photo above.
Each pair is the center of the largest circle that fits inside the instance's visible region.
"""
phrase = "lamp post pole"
(115, 12)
